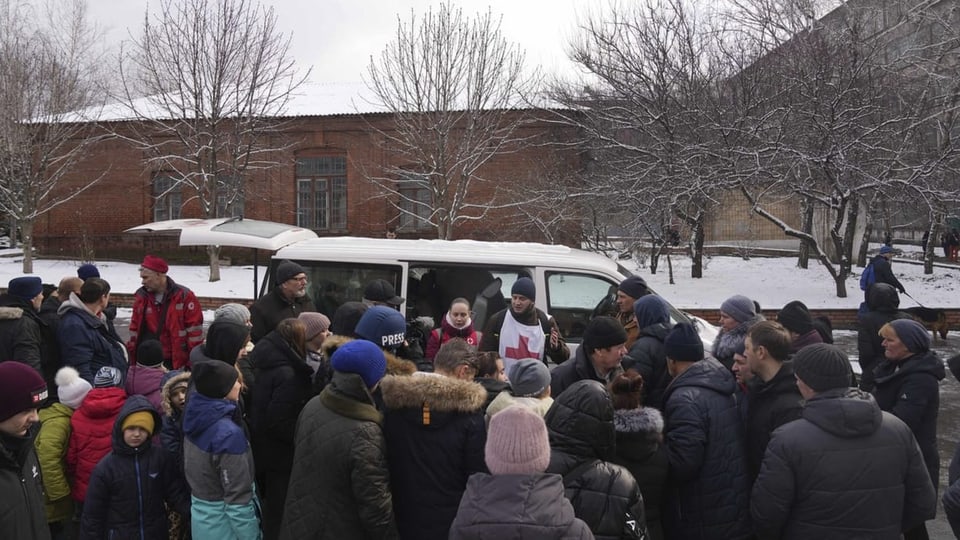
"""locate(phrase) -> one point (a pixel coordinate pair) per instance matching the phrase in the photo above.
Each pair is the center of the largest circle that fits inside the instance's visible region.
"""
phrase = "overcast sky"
(337, 37)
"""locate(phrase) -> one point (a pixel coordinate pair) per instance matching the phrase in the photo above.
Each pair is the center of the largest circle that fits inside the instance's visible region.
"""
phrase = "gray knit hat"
(237, 313)
(913, 335)
(823, 367)
(739, 307)
(529, 378)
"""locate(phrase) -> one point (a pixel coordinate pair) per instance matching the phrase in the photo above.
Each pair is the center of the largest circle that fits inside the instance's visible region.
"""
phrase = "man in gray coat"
(845, 469)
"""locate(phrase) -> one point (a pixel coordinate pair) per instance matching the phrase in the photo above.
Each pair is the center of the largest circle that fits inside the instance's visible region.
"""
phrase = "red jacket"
(446, 332)
(91, 428)
(182, 331)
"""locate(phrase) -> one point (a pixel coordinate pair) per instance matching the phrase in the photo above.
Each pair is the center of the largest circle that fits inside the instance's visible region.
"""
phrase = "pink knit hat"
(517, 442)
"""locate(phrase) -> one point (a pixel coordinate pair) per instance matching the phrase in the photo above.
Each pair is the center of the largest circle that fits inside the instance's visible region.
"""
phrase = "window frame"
(321, 208)
(167, 199)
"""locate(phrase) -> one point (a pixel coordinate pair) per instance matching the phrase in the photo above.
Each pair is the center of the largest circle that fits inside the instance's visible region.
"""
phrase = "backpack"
(868, 277)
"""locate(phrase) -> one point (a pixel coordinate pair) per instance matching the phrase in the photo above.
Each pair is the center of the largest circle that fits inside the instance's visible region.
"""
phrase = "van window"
(572, 298)
(431, 288)
(332, 284)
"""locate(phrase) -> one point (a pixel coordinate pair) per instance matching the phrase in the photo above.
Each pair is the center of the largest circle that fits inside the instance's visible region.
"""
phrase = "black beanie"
(287, 270)
(795, 317)
(823, 367)
(224, 341)
(150, 353)
(213, 378)
(683, 344)
(346, 318)
(603, 332)
(634, 287)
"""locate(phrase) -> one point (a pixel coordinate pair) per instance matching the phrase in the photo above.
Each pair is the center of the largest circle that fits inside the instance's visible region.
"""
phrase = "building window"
(230, 197)
(167, 198)
(416, 202)
(322, 193)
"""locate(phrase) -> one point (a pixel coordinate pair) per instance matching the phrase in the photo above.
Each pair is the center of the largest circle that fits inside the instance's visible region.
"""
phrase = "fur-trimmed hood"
(645, 420)
(395, 365)
(167, 391)
(439, 393)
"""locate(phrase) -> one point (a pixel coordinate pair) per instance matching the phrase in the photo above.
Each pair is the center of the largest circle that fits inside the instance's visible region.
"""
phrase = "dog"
(934, 319)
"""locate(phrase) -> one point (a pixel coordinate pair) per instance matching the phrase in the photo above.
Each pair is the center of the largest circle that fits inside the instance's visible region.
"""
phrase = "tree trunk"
(655, 251)
(696, 271)
(864, 246)
(26, 232)
(214, 253)
(933, 232)
(670, 268)
(806, 209)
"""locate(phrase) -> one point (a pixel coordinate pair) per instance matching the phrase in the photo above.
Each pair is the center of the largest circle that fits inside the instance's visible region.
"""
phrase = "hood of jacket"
(529, 499)
(348, 396)
(645, 420)
(580, 421)
(75, 305)
(134, 403)
(657, 331)
(201, 412)
(708, 373)
(395, 365)
(448, 329)
(439, 393)
(844, 413)
(10, 313)
(651, 311)
(171, 379)
(883, 297)
(10, 301)
(926, 362)
(103, 403)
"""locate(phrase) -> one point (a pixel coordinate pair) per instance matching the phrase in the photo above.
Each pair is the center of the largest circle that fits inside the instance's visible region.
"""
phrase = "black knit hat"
(287, 270)
(823, 367)
(150, 353)
(795, 317)
(346, 318)
(224, 341)
(601, 333)
(683, 344)
(634, 287)
(213, 378)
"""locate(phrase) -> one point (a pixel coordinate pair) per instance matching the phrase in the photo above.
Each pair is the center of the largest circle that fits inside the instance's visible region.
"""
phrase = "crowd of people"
(281, 422)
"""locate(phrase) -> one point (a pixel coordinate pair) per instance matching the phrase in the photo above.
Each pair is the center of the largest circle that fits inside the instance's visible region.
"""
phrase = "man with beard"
(286, 301)
(523, 331)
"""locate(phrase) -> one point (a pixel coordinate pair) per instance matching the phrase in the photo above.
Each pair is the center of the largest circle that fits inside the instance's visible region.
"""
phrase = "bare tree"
(47, 61)
(454, 87)
(208, 82)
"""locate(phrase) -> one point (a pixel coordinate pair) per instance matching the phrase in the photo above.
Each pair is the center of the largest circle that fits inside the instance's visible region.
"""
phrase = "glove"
(903, 291)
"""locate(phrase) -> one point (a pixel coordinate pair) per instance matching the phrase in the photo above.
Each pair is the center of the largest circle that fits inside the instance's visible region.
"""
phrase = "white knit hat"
(517, 442)
(71, 388)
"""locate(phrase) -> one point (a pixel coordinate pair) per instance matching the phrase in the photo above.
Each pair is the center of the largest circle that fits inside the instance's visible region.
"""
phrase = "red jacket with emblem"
(91, 428)
(446, 332)
(182, 329)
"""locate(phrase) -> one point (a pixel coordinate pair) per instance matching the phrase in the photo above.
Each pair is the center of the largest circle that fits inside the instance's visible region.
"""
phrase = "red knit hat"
(21, 388)
(152, 262)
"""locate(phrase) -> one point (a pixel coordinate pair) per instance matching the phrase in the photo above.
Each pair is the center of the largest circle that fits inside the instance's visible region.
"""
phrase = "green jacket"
(51, 444)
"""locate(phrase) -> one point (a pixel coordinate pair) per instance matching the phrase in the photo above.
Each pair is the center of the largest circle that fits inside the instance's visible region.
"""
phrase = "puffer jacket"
(771, 405)
(20, 334)
(281, 388)
(844, 470)
(708, 488)
(85, 340)
(446, 332)
(51, 443)
(883, 304)
(578, 369)
(648, 357)
(178, 334)
(21, 489)
(267, 312)
(90, 437)
(910, 389)
(434, 428)
(129, 486)
(514, 506)
(641, 451)
(582, 441)
(146, 381)
(349, 497)
(218, 464)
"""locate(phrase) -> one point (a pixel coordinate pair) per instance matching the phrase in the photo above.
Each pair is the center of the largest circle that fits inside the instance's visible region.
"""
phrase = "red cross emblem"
(520, 352)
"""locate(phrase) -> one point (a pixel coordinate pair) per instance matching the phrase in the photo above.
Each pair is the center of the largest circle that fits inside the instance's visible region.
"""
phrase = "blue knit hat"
(651, 310)
(361, 357)
(525, 287)
(25, 287)
(913, 335)
(683, 344)
(383, 326)
(87, 271)
(739, 307)
(885, 249)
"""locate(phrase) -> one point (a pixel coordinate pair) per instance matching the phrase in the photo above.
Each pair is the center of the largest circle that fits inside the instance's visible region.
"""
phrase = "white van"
(572, 285)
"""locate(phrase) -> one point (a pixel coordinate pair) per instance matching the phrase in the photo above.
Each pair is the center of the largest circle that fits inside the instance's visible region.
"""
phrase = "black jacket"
(22, 512)
(282, 386)
(267, 312)
(641, 451)
(648, 357)
(882, 305)
(129, 486)
(490, 340)
(349, 495)
(912, 394)
(435, 434)
(708, 488)
(51, 359)
(20, 335)
(86, 342)
(582, 443)
(844, 470)
(579, 369)
(883, 273)
(771, 405)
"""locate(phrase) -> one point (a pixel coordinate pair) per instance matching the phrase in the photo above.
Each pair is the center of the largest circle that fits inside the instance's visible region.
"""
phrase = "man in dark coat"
(52, 360)
(21, 338)
(434, 428)
(22, 391)
(647, 356)
(795, 317)
(882, 271)
(523, 331)
(85, 341)
(340, 485)
(286, 301)
(772, 393)
(598, 357)
(882, 307)
(707, 487)
(628, 292)
(951, 496)
(845, 469)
